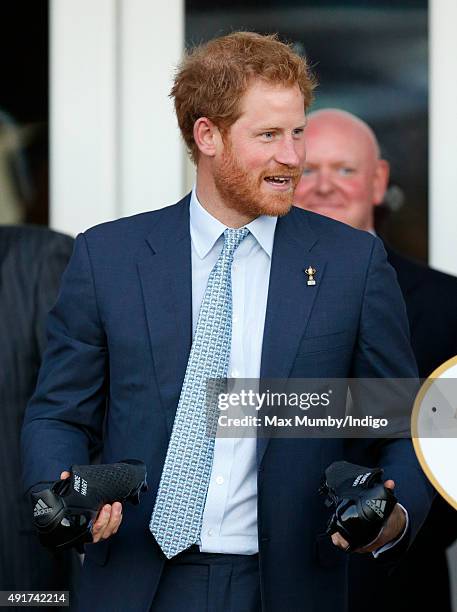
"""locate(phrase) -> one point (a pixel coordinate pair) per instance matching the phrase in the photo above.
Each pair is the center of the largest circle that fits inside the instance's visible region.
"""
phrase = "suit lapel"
(166, 280)
(407, 273)
(290, 298)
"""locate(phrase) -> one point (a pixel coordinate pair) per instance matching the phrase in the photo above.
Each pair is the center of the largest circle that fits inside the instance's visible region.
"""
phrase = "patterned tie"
(178, 512)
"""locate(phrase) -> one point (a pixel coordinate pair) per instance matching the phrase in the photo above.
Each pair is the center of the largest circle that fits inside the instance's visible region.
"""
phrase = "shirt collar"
(205, 229)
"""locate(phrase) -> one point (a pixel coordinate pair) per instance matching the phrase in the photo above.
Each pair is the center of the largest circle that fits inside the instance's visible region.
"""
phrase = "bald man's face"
(342, 179)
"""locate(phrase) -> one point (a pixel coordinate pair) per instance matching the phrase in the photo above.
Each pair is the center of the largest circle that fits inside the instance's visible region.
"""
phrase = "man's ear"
(207, 136)
(381, 180)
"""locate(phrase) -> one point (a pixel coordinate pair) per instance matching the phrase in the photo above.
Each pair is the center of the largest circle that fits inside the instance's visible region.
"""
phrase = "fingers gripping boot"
(63, 514)
(360, 502)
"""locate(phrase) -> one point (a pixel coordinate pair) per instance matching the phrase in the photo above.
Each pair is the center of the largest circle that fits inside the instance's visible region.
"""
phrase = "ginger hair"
(213, 77)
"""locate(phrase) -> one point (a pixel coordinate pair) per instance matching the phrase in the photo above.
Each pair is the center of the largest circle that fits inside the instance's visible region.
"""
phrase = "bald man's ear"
(381, 180)
(207, 136)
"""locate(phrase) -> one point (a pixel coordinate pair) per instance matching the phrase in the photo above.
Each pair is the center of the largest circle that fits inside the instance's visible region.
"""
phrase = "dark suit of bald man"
(422, 577)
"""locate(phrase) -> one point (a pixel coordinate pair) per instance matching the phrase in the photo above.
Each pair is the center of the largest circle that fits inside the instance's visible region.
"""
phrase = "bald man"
(345, 178)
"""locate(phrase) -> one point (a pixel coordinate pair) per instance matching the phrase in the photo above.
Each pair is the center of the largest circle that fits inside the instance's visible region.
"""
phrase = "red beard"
(243, 192)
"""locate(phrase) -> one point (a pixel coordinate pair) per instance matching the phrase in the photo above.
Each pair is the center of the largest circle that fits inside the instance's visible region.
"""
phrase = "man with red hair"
(153, 306)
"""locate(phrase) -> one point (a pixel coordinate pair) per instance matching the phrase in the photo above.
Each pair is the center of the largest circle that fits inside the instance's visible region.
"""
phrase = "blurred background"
(24, 113)
(371, 59)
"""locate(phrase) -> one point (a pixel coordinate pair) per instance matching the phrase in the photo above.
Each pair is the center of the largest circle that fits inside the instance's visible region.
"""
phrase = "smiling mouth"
(278, 180)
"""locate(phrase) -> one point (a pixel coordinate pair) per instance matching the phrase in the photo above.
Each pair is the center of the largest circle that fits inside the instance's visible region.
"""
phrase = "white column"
(115, 145)
(152, 154)
(443, 135)
(83, 112)
(443, 160)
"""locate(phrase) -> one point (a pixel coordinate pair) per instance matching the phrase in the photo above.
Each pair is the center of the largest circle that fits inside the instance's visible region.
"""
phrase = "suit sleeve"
(64, 419)
(384, 351)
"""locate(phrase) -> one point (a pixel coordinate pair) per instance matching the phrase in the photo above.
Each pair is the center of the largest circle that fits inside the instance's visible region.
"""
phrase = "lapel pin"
(310, 271)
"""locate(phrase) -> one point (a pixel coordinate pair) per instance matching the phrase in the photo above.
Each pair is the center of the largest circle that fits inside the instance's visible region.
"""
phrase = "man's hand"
(108, 519)
(394, 526)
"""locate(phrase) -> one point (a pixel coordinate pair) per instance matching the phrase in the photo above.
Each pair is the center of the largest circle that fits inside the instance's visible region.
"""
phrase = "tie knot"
(233, 238)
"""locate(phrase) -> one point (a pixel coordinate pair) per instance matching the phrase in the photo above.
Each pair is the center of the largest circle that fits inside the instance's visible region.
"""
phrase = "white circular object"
(434, 429)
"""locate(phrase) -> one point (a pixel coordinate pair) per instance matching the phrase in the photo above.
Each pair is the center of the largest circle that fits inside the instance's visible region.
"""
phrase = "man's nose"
(324, 183)
(290, 153)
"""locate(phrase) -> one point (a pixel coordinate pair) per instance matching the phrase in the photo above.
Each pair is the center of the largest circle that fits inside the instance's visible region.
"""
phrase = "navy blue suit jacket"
(119, 340)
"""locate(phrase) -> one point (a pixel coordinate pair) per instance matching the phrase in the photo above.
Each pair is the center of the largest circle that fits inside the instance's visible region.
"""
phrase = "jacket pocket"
(325, 342)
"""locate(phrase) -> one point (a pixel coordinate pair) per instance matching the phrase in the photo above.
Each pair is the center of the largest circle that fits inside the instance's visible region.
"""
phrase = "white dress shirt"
(230, 515)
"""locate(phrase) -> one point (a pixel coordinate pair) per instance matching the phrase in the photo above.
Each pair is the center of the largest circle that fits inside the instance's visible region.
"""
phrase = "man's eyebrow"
(267, 129)
(279, 129)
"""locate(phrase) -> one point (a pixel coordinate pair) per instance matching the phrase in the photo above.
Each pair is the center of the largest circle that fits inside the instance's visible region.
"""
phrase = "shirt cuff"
(389, 545)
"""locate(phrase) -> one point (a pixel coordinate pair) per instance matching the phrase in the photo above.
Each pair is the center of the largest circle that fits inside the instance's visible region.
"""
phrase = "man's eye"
(298, 132)
(345, 170)
(268, 135)
(307, 171)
